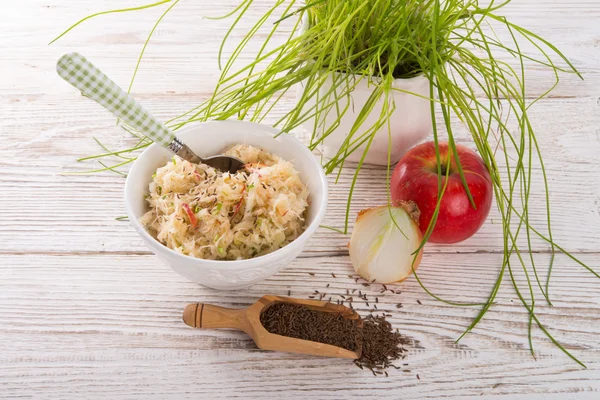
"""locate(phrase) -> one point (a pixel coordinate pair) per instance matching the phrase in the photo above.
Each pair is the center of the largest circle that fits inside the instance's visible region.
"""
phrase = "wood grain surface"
(86, 310)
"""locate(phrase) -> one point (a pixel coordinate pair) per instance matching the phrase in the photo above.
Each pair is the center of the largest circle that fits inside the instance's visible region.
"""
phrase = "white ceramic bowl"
(209, 139)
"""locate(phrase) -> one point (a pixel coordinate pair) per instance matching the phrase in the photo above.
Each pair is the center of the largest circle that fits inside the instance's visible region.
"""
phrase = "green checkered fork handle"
(83, 75)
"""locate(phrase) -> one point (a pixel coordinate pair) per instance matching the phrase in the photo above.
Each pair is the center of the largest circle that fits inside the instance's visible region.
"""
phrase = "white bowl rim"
(233, 264)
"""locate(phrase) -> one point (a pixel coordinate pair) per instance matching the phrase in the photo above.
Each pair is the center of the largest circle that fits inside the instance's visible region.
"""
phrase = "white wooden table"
(86, 311)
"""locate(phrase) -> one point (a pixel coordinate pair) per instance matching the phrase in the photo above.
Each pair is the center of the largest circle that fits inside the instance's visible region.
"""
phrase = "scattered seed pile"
(381, 345)
(300, 322)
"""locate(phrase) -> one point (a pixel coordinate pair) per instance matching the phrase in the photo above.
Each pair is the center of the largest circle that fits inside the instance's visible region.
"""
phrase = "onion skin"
(379, 251)
(416, 266)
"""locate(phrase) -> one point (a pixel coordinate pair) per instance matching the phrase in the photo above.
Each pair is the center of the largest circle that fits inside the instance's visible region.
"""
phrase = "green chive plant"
(453, 43)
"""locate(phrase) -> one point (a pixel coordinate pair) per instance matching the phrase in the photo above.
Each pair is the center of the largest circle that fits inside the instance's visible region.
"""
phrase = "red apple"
(416, 178)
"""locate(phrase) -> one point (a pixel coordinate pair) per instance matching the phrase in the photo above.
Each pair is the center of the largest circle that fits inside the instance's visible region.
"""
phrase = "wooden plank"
(87, 312)
(107, 325)
(36, 199)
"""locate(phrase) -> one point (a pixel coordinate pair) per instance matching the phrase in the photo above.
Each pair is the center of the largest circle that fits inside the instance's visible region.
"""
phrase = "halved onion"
(380, 251)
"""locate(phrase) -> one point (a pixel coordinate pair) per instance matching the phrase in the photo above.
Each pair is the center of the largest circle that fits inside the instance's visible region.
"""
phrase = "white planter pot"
(410, 122)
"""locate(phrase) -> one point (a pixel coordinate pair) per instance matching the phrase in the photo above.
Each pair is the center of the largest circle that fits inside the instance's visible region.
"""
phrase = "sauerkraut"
(205, 213)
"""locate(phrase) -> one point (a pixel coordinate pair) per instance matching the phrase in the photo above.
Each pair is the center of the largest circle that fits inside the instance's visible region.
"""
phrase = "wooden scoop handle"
(200, 315)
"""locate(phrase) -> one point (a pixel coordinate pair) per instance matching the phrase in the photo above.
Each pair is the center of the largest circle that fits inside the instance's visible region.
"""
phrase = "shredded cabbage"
(201, 212)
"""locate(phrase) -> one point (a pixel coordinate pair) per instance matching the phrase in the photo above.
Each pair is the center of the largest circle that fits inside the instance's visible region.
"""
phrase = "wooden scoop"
(206, 316)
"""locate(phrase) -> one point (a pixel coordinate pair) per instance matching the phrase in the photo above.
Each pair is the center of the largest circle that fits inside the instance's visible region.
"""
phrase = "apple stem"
(443, 170)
